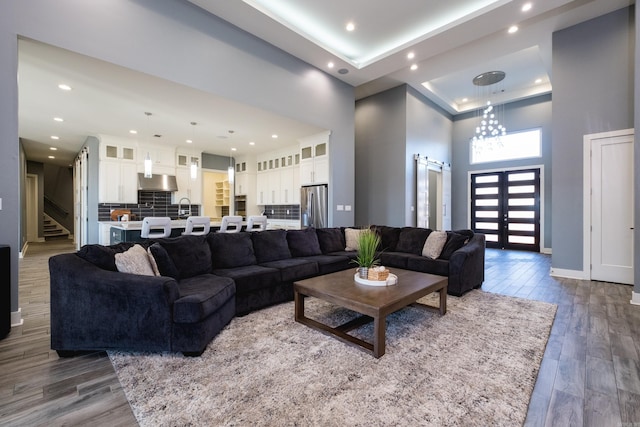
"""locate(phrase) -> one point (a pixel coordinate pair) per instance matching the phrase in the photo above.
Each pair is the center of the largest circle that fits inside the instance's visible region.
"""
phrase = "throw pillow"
(303, 242)
(154, 264)
(434, 244)
(134, 261)
(351, 236)
(454, 242)
(163, 261)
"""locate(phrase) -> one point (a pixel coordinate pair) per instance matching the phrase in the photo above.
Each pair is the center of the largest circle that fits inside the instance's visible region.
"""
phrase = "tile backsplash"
(150, 203)
(282, 211)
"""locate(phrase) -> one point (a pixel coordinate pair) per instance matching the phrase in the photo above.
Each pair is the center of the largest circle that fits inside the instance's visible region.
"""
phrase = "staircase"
(53, 230)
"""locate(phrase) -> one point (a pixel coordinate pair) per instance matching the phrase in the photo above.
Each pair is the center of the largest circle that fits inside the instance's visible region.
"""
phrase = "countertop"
(182, 223)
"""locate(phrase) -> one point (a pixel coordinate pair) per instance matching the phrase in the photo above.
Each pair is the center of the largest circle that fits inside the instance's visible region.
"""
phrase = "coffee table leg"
(299, 305)
(443, 300)
(379, 325)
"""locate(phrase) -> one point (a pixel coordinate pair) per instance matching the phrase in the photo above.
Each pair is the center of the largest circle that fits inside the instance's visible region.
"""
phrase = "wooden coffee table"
(374, 302)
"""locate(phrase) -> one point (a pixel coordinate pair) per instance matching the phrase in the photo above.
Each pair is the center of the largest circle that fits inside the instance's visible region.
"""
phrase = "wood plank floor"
(590, 374)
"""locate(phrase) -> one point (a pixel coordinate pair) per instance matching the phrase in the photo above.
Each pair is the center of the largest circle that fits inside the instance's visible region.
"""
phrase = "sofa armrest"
(96, 309)
(466, 266)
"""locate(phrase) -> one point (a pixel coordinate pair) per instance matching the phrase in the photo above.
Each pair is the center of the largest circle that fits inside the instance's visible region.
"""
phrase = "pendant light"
(148, 164)
(194, 160)
(230, 170)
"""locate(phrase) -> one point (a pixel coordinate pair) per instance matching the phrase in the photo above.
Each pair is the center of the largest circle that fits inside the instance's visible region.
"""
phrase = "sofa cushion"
(303, 242)
(270, 245)
(428, 265)
(251, 277)
(331, 239)
(134, 261)
(454, 242)
(389, 237)
(230, 250)
(411, 240)
(103, 256)
(191, 255)
(293, 268)
(165, 264)
(331, 263)
(394, 259)
(434, 244)
(201, 296)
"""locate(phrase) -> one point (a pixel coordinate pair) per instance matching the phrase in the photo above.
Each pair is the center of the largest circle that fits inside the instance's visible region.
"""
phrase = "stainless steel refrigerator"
(314, 206)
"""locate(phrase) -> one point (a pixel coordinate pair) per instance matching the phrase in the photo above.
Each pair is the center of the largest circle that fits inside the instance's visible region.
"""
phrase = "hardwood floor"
(590, 374)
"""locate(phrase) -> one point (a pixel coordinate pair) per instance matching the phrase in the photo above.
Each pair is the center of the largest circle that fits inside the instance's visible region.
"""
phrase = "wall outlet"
(347, 208)
(340, 207)
(272, 212)
(287, 211)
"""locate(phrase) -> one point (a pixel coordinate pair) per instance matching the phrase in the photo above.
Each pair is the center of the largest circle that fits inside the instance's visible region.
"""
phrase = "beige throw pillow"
(435, 243)
(135, 261)
(351, 235)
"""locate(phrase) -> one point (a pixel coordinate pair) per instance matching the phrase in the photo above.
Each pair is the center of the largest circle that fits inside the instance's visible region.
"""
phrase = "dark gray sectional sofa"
(207, 280)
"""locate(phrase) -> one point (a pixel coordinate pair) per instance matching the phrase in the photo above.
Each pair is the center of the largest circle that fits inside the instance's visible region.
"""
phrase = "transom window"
(512, 146)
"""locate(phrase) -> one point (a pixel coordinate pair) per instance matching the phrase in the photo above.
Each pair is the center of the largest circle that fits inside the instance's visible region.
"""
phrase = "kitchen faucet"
(184, 212)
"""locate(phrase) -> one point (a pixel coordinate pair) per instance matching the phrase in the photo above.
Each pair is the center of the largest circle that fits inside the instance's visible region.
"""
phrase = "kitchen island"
(113, 232)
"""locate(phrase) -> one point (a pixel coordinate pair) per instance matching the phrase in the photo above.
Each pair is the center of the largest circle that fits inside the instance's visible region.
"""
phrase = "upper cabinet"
(117, 177)
(245, 176)
(276, 183)
(314, 159)
(162, 159)
(188, 176)
(112, 148)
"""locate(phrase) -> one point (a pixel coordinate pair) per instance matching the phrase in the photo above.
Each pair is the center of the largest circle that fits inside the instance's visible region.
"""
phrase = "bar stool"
(257, 223)
(162, 223)
(201, 223)
(231, 224)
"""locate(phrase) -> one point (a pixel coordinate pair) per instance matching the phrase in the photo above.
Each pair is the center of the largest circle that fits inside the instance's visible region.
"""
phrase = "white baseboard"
(569, 274)
(546, 251)
(635, 298)
(16, 318)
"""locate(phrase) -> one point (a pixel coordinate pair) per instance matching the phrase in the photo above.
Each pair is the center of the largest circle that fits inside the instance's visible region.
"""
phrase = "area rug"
(476, 365)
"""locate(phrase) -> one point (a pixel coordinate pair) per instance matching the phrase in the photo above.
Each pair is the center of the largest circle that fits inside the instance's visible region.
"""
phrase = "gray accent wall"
(592, 92)
(180, 42)
(215, 162)
(518, 116)
(391, 127)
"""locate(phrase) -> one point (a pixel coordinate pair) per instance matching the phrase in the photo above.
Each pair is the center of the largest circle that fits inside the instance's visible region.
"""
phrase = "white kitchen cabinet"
(314, 159)
(112, 148)
(162, 159)
(188, 187)
(118, 182)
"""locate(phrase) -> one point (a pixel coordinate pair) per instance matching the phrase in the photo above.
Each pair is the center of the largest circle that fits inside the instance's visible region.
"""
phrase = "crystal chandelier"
(490, 125)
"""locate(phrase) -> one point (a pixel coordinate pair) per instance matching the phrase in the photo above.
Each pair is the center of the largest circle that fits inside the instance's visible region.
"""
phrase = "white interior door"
(445, 213)
(612, 209)
(422, 192)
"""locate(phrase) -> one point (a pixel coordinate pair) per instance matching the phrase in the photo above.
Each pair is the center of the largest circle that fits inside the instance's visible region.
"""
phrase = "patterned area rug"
(476, 365)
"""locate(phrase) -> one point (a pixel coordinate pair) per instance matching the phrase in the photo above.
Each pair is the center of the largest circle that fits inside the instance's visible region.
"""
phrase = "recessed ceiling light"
(351, 26)
(233, 149)
(55, 137)
(52, 157)
(64, 86)
(526, 7)
(188, 141)
(58, 119)
(538, 81)
(274, 136)
(411, 55)
(414, 67)
(53, 149)
(330, 65)
(252, 143)
(133, 132)
(465, 99)
(513, 29)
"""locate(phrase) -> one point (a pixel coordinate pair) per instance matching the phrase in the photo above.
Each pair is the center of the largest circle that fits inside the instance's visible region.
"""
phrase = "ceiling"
(451, 42)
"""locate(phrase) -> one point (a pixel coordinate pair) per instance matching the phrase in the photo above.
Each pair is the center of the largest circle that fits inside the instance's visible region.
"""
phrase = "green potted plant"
(368, 242)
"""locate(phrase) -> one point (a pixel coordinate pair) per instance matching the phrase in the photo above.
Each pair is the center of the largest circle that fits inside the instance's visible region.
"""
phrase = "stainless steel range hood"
(157, 183)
